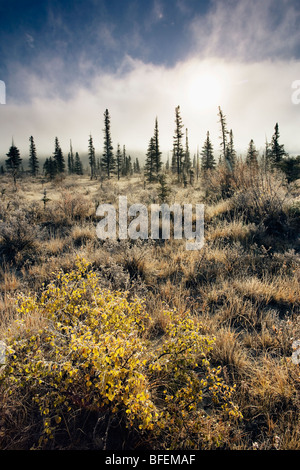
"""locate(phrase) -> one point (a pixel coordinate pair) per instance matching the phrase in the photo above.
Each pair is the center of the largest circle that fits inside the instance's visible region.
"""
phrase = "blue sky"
(79, 39)
(64, 62)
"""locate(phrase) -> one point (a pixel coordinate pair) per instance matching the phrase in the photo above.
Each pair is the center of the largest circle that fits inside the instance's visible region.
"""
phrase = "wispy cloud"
(29, 40)
(107, 37)
(249, 30)
(244, 59)
(158, 10)
(254, 96)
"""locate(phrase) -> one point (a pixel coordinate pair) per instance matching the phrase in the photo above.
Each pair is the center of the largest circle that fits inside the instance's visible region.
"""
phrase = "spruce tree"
(207, 156)
(266, 160)
(33, 160)
(108, 160)
(224, 134)
(277, 151)
(252, 154)
(58, 157)
(153, 164)
(70, 166)
(14, 161)
(157, 156)
(78, 170)
(119, 158)
(187, 156)
(92, 158)
(128, 166)
(50, 168)
(197, 164)
(230, 153)
(178, 151)
(150, 167)
(168, 163)
(137, 166)
(291, 167)
(71, 160)
(173, 161)
(124, 159)
(163, 189)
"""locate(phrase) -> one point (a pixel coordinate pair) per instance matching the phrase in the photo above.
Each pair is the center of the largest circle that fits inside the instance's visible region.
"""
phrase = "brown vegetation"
(243, 286)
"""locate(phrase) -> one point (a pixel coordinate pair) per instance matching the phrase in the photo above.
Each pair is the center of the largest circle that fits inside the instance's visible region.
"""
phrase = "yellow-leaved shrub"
(96, 355)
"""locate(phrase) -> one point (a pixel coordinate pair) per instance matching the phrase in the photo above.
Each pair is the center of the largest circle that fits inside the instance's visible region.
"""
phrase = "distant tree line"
(119, 164)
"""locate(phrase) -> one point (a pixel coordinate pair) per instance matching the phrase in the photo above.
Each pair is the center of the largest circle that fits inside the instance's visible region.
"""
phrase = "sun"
(204, 90)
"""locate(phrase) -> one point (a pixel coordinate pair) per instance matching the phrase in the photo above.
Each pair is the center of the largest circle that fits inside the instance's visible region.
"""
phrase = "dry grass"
(236, 230)
(244, 285)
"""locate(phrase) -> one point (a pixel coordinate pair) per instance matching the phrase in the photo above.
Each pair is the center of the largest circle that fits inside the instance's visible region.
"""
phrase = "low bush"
(95, 362)
(18, 237)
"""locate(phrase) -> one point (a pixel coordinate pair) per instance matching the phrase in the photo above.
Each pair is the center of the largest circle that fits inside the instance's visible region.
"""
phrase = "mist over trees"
(110, 163)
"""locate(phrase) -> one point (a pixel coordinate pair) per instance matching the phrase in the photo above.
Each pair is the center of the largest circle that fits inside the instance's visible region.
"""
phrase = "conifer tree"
(178, 152)
(291, 167)
(98, 168)
(58, 157)
(119, 158)
(137, 165)
(70, 166)
(153, 164)
(124, 159)
(163, 189)
(173, 161)
(252, 154)
(197, 164)
(168, 163)
(277, 151)
(150, 167)
(33, 160)
(71, 160)
(266, 160)
(187, 156)
(108, 162)
(92, 158)
(50, 168)
(128, 166)
(230, 153)
(14, 161)
(78, 170)
(207, 156)
(157, 157)
(224, 134)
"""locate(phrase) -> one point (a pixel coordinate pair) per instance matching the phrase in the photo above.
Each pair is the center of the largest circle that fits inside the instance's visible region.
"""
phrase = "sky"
(65, 62)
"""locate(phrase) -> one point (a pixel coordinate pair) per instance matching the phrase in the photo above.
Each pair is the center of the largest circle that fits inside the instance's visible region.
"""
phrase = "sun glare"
(204, 90)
